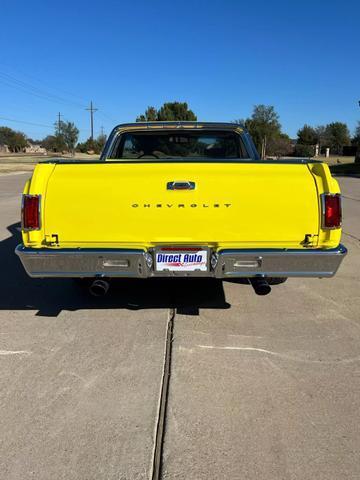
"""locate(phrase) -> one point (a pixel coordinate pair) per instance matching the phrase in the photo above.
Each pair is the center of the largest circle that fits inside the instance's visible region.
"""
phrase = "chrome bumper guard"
(138, 263)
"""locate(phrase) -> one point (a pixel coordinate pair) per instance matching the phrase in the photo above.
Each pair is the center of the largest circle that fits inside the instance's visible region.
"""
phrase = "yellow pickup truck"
(181, 199)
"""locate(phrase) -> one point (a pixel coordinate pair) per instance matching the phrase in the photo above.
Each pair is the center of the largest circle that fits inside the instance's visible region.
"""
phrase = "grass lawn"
(341, 165)
(335, 159)
(23, 163)
(23, 159)
(16, 167)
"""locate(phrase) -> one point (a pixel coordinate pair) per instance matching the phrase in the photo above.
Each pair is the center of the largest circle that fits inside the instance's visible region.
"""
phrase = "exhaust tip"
(260, 285)
(99, 288)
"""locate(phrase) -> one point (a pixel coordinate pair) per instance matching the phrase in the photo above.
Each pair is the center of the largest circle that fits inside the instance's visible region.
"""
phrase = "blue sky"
(222, 57)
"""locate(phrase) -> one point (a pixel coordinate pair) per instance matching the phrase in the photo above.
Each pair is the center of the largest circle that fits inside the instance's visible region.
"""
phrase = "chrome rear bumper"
(80, 262)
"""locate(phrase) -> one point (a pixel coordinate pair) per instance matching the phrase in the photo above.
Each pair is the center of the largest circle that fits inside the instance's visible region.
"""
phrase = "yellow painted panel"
(240, 205)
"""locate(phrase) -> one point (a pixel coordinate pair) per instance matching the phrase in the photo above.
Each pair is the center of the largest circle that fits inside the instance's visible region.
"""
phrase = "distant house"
(38, 149)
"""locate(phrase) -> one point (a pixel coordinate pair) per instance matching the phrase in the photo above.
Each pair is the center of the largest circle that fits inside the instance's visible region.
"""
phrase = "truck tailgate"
(120, 204)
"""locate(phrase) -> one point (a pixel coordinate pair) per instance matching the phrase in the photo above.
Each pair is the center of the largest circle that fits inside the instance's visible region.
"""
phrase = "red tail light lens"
(331, 210)
(31, 212)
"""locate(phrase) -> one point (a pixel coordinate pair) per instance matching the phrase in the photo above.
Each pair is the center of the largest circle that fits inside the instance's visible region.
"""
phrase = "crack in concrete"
(352, 236)
(351, 198)
(156, 465)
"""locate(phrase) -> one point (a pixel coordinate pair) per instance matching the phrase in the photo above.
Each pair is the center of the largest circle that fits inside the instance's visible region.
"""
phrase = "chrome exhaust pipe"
(99, 288)
(260, 285)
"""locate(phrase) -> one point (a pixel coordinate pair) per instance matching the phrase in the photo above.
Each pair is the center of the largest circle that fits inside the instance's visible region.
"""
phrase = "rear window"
(175, 145)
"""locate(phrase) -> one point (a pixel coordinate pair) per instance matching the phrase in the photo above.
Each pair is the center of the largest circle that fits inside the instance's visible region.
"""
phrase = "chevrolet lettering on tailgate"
(181, 205)
(179, 199)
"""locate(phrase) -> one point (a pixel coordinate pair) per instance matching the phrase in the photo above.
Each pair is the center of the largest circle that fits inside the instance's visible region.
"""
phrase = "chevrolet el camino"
(181, 199)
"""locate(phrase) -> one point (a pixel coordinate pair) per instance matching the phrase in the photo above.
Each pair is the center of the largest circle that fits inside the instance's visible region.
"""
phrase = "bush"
(16, 141)
(53, 143)
(93, 146)
(280, 146)
(304, 150)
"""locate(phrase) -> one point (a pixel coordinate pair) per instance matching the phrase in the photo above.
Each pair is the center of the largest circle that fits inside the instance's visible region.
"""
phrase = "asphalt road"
(260, 387)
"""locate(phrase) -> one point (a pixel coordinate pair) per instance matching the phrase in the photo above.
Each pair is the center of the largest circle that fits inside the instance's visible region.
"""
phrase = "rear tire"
(275, 280)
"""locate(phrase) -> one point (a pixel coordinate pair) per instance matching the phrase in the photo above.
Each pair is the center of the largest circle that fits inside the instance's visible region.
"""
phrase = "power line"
(92, 109)
(26, 87)
(37, 80)
(107, 117)
(32, 123)
(26, 123)
(30, 89)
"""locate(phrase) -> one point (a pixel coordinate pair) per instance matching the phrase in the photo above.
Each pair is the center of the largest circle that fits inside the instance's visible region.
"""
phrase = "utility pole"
(102, 131)
(59, 123)
(92, 109)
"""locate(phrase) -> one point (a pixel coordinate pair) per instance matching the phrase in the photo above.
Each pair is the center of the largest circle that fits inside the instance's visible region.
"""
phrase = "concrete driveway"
(260, 387)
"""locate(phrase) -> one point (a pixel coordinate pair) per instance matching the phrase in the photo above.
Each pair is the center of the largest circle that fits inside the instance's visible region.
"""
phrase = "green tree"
(320, 131)
(356, 138)
(307, 135)
(51, 143)
(176, 111)
(263, 126)
(91, 145)
(85, 147)
(56, 142)
(337, 135)
(16, 141)
(302, 150)
(101, 140)
(150, 115)
(170, 111)
(280, 146)
(69, 134)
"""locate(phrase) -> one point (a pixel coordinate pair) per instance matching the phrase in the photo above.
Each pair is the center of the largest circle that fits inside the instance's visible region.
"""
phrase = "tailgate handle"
(183, 185)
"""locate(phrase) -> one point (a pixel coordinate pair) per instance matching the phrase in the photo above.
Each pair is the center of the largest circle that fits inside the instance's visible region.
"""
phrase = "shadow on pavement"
(50, 296)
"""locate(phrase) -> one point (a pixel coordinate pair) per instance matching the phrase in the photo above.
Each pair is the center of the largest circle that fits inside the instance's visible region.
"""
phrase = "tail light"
(331, 205)
(31, 212)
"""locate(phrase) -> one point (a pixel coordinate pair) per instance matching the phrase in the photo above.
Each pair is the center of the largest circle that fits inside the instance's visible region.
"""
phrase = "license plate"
(184, 261)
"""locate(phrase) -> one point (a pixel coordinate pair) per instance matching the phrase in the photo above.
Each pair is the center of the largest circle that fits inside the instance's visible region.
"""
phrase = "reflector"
(332, 211)
(31, 212)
